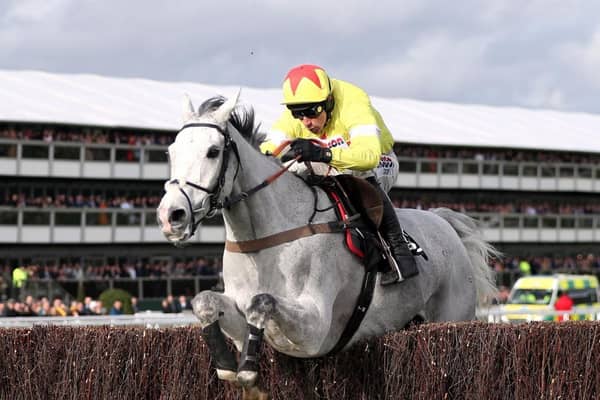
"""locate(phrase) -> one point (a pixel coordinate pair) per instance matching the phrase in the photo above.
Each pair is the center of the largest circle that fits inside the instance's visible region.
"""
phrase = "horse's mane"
(242, 119)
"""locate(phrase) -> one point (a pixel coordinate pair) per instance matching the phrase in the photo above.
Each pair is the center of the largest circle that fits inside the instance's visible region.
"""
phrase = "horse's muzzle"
(172, 222)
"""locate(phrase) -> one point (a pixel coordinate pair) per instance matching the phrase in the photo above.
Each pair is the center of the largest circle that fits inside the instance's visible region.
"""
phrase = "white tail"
(479, 250)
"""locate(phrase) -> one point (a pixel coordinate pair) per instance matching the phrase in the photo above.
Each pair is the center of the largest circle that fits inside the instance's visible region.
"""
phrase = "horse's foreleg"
(216, 311)
(223, 358)
(292, 326)
(286, 324)
(260, 309)
(248, 368)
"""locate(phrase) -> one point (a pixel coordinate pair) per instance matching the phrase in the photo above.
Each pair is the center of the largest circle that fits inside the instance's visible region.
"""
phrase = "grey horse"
(299, 295)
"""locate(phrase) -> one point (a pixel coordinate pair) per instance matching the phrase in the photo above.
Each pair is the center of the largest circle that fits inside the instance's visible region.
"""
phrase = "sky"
(525, 53)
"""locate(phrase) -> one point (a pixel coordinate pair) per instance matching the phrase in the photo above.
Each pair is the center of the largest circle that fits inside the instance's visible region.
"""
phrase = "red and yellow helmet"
(306, 83)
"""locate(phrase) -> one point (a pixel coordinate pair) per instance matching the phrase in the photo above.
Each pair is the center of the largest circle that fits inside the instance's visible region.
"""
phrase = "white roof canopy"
(31, 96)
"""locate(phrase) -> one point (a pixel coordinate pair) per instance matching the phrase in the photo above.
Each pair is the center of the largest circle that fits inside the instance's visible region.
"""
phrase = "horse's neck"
(284, 204)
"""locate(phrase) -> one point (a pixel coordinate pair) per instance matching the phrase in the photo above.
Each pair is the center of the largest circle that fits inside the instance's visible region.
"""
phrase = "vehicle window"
(530, 296)
(583, 296)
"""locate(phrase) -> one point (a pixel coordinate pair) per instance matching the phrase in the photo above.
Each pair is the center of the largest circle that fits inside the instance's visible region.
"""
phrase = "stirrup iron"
(387, 252)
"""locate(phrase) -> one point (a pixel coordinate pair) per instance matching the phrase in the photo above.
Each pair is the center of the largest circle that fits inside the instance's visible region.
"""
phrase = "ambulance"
(538, 294)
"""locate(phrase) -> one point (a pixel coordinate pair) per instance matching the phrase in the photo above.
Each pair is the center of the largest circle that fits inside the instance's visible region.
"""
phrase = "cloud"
(435, 65)
(34, 11)
(543, 92)
(584, 58)
(539, 53)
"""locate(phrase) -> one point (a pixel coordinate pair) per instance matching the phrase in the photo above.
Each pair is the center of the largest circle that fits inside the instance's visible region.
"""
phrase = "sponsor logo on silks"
(337, 141)
(385, 162)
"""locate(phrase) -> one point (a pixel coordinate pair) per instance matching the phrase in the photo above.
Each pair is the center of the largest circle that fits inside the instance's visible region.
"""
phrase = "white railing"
(498, 175)
(90, 225)
(116, 225)
(500, 313)
(120, 161)
(156, 320)
(145, 319)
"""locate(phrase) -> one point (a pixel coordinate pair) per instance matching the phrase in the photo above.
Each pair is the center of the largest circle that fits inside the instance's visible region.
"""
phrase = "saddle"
(360, 196)
(360, 207)
(356, 200)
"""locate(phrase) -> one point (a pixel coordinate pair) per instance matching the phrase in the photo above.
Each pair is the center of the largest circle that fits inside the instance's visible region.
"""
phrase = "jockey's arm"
(281, 131)
(268, 147)
(361, 121)
(363, 154)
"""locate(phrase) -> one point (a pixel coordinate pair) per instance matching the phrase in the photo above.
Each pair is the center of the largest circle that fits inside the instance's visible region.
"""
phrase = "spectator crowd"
(493, 154)
(206, 266)
(59, 133)
(56, 307)
(27, 305)
(61, 200)
(211, 267)
(152, 200)
(546, 265)
(529, 207)
(201, 266)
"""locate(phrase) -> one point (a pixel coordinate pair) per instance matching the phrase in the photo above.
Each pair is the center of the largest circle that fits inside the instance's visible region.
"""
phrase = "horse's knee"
(261, 308)
(207, 307)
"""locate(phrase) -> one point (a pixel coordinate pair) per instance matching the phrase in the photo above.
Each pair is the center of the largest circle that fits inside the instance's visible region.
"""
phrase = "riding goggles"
(307, 110)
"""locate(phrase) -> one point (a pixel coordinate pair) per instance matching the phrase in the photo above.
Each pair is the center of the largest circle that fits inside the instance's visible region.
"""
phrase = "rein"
(254, 245)
(244, 195)
(248, 246)
(215, 192)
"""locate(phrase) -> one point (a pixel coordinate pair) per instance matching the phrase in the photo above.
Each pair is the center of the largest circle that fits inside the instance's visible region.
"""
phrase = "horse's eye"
(213, 152)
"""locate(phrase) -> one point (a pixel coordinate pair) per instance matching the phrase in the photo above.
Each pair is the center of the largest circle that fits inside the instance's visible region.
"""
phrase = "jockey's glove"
(310, 151)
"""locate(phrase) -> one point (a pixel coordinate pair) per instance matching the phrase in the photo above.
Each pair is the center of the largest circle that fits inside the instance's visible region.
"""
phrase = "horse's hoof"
(247, 378)
(226, 375)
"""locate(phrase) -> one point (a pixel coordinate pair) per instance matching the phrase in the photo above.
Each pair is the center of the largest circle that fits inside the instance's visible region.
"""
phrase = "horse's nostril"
(177, 216)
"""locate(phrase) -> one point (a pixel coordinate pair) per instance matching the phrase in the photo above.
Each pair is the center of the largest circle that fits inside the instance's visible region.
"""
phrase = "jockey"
(354, 140)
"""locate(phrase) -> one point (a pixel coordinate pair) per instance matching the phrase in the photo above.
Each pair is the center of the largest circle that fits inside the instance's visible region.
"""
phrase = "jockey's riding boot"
(390, 227)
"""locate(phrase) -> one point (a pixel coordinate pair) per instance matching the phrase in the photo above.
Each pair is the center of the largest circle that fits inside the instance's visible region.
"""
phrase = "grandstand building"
(83, 163)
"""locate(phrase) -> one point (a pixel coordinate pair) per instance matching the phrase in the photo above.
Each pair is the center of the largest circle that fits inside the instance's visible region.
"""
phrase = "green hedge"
(108, 297)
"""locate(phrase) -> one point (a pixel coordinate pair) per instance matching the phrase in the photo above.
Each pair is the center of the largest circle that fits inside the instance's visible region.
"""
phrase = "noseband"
(214, 192)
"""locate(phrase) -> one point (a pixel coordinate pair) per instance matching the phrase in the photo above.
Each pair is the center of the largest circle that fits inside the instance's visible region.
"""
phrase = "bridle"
(215, 192)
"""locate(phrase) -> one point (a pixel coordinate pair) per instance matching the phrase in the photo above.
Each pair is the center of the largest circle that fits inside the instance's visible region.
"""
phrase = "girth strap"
(360, 309)
(251, 246)
(368, 285)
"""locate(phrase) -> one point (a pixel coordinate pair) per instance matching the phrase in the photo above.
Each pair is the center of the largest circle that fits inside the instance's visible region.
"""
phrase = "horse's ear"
(187, 108)
(223, 113)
